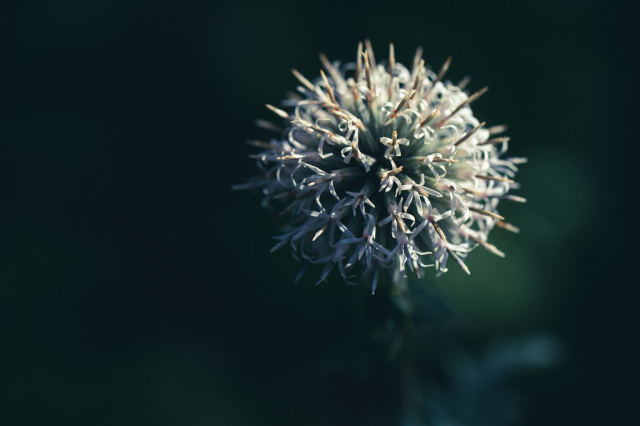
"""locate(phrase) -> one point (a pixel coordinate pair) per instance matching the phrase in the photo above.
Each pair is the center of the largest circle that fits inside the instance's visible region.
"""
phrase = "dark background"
(137, 288)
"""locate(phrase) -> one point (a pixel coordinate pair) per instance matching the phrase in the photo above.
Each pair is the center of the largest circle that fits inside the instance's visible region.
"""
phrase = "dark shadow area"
(137, 288)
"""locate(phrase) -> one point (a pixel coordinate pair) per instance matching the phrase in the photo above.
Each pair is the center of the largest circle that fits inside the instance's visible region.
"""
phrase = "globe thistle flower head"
(384, 167)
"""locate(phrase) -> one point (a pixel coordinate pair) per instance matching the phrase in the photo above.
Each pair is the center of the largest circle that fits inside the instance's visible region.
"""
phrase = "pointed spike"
(495, 130)
(367, 70)
(469, 101)
(486, 213)
(306, 83)
(325, 62)
(458, 261)
(439, 231)
(471, 191)
(328, 88)
(278, 111)
(469, 133)
(488, 246)
(267, 125)
(403, 102)
(416, 58)
(358, 63)
(431, 116)
(444, 160)
(392, 65)
(372, 59)
(315, 237)
(507, 226)
(496, 178)
(259, 144)
(441, 74)
(464, 82)
(416, 82)
(443, 70)
(495, 140)
(514, 198)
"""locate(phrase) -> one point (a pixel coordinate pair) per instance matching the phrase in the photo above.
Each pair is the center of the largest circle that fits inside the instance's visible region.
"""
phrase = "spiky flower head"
(384, 167)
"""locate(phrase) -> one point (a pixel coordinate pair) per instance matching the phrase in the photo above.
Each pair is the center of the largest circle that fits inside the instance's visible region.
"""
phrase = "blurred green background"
(137, 288)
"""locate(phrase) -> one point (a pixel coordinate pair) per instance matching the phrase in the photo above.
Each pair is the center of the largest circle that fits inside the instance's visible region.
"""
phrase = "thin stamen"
(463, 83)
(443, 70)
(392, 65)
(421, 191)
(315, 237)
(514, 198)
(318, 129)
(425, 159)
(486, 213)
(417, 57)
(400, 222)
(402, 102)
(293, 96)
(394, 138)
(267, 125)
(325, 61)
(388, 173)
(493, 249)
(297, 200)
(416, 82)
(459, 262)
(494, 130)
(444, 160)
(260, 144)
(330, 68)
(356, 77)
(507, 226)
(356, 151)
(439, 231)
(496, 178)
(441, 74)
(289, 157)
(278, 111)
(471, 191)
(431, 116)
(495, 141)
(367, 71)
(367, 45)
(329, 88)
(469, 100)
(469, 133)
(344, 116)
(306, 83)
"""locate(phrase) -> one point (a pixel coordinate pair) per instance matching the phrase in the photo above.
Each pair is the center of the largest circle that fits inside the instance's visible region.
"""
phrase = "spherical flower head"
(384, 168)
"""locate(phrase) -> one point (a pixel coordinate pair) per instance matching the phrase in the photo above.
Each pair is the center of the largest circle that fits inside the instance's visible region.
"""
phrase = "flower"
(449, 170)
(416, 191)
(393, 144)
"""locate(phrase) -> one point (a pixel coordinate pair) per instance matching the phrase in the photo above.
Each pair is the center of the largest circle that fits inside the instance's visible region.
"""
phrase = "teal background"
(137, 288)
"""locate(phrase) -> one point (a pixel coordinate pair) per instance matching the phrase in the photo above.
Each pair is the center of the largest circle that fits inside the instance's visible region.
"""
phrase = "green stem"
(409, 378)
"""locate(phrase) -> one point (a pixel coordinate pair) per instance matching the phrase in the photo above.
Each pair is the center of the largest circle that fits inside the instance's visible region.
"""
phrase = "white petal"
(385, 220)
(314, 168)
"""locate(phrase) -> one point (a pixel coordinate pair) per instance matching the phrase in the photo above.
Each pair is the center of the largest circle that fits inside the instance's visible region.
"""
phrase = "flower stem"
(408, 371)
